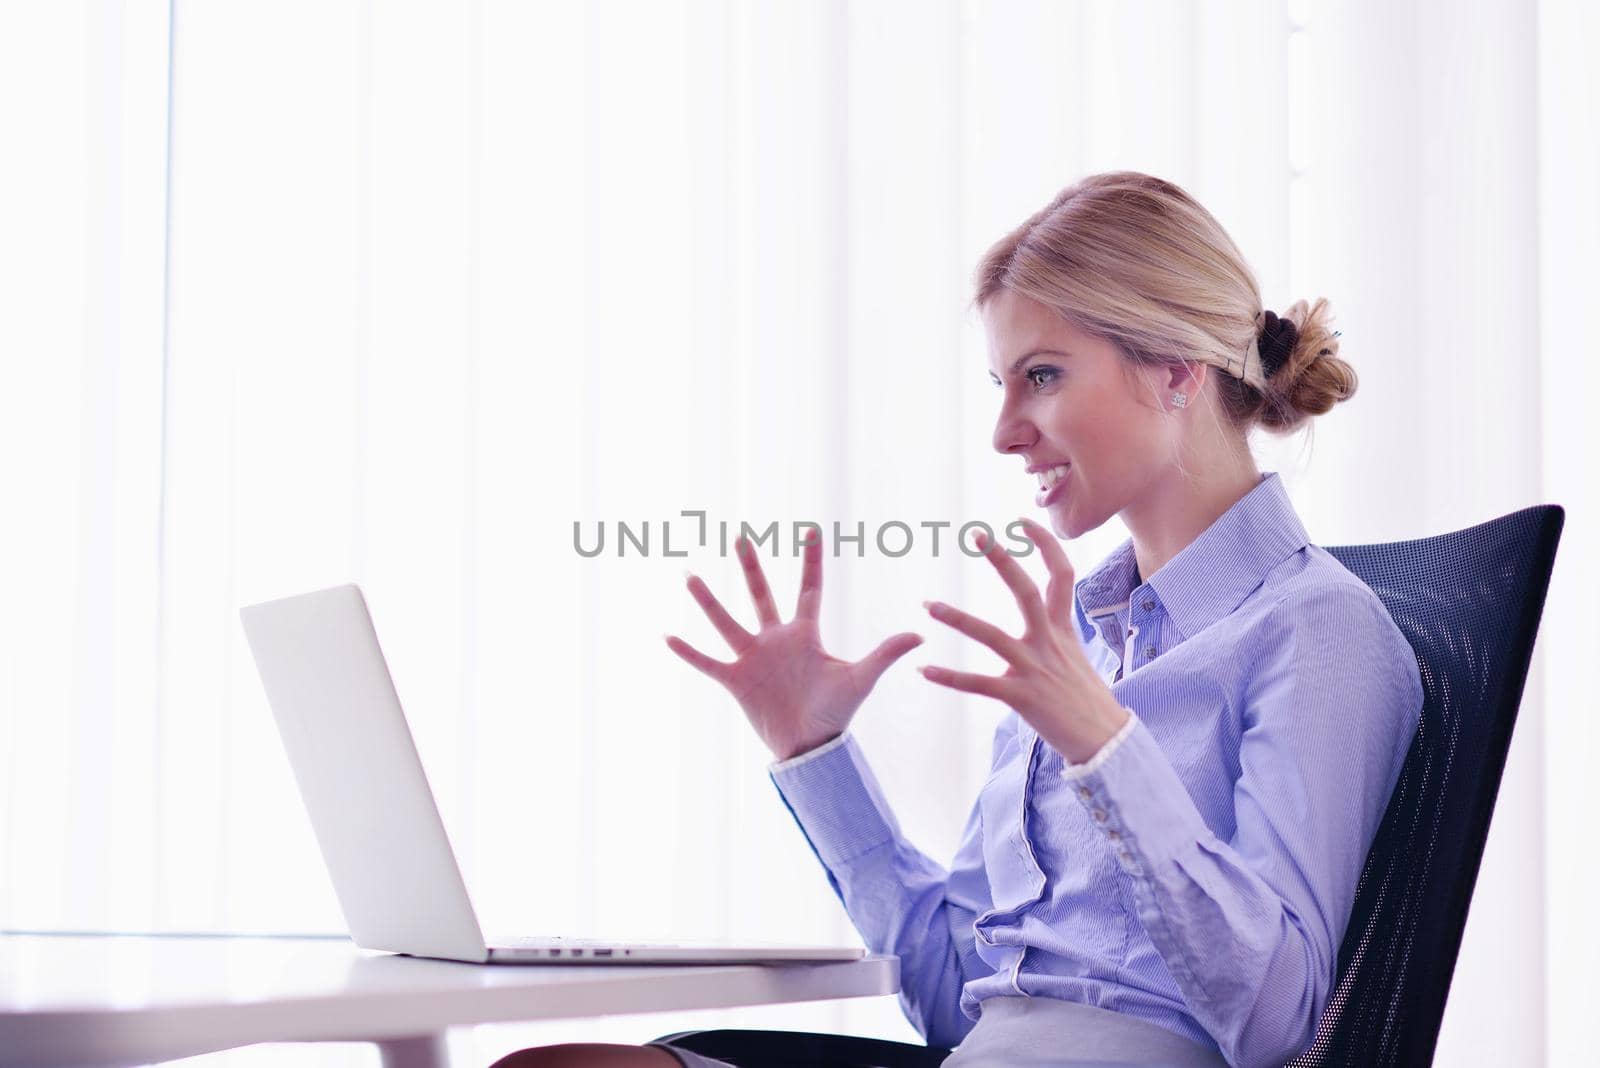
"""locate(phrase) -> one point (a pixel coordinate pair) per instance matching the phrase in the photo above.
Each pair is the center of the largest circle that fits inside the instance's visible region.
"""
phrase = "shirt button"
(1149, 605)
(1100, 814)
(1083, 791)
(1114, 836)
(1130, 632)
(1125, 855)
(1150, 651)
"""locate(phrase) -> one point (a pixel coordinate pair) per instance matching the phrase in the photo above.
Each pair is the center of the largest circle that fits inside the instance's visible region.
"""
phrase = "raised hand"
(1048, 679)
(793, 692)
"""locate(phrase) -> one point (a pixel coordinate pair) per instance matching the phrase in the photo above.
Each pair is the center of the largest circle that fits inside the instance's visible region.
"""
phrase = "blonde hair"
(1135, 260)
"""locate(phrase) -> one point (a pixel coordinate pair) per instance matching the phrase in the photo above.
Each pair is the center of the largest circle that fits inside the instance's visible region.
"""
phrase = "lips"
(1046, 498)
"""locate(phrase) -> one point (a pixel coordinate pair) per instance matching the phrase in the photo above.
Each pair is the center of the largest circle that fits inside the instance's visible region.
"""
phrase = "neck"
(1174, 510)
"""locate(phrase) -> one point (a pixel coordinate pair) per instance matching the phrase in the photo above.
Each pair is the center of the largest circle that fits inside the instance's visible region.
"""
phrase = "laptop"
(374, 816)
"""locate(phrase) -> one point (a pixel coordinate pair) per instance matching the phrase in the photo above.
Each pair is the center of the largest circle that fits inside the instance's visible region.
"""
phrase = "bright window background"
(395, 293)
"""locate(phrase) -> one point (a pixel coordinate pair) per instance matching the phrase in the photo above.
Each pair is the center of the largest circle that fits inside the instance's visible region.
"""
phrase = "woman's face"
(1072, 405)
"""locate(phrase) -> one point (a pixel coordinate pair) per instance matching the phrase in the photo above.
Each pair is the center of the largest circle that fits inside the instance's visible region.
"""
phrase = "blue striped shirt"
(1199, 871)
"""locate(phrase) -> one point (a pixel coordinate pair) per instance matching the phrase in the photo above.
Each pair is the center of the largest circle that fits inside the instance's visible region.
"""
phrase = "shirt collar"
(1210, 576)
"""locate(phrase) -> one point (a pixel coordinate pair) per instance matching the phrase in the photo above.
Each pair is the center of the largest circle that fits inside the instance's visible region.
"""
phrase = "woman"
(1202, 733)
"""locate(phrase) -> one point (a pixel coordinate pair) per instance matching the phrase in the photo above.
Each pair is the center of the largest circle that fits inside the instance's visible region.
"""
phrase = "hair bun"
(1316, 379)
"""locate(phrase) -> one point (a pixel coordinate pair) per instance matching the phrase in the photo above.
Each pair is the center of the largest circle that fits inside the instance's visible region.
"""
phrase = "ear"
(1190, 378)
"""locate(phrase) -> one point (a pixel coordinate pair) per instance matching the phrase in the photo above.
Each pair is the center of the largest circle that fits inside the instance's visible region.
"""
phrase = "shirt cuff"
(1078, 771)
(836, 800)
(1141, 805)
(809, 754)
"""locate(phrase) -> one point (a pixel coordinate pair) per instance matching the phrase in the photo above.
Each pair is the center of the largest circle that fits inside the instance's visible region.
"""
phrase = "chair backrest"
(1469, 602)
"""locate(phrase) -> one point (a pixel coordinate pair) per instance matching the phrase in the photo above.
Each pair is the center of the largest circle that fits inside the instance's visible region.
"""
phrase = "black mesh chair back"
(1469, 602)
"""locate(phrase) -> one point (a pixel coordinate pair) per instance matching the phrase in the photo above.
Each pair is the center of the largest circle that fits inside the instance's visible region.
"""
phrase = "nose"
(1013, 433)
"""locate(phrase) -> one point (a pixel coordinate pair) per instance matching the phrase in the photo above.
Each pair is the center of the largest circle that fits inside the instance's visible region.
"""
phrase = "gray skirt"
(1019, 1032)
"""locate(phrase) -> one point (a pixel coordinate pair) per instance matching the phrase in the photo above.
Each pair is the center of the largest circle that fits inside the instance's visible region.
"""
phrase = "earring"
(1180, 399)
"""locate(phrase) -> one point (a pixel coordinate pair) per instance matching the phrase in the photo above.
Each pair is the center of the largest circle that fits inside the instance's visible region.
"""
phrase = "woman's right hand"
(795, 695)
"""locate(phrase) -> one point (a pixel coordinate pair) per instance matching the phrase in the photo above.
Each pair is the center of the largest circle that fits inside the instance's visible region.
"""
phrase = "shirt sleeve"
(1250, 927)
(900, 901)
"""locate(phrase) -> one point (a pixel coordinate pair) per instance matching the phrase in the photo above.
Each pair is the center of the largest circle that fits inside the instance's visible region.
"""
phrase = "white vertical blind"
(1568, 233)
(420, 286)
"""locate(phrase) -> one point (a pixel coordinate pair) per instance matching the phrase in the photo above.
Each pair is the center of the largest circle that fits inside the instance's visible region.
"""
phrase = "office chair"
(1469, 602)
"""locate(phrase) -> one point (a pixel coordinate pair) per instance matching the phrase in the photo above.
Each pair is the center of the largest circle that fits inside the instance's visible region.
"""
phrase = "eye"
(1048, 373)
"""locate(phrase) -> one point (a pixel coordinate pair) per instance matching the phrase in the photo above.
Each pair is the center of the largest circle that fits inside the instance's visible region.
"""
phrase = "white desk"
(111, 1000)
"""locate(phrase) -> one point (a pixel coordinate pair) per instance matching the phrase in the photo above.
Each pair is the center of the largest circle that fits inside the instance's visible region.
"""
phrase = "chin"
(1068, 527)
(1060, 525)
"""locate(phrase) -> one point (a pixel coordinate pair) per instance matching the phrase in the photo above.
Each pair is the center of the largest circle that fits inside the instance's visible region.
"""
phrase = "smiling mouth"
(1052, 483)
(1051, 475)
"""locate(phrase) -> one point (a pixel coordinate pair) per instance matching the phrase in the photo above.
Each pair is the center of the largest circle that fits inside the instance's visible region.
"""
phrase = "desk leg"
(418, 1051)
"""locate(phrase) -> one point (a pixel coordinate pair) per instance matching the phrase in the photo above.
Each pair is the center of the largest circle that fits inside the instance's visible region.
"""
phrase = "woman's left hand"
(1049, 681)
